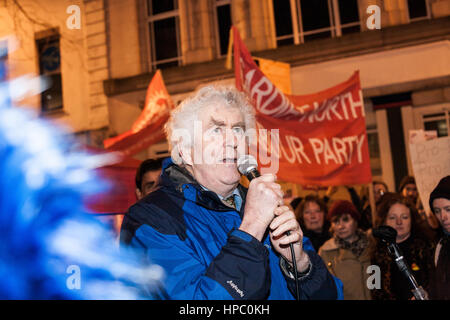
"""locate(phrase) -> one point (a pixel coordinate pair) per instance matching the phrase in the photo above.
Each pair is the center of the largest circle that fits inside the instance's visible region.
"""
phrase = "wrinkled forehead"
(219, 114)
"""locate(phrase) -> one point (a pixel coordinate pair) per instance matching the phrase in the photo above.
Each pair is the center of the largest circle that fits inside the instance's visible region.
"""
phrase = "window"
(283, 22)
(298, 21)
(372, 138)
(50, 67)
(3, 59)
(418, 10)
(223, 25)
(348, 17)
(438, 122)
(434, 117)
(163, 31)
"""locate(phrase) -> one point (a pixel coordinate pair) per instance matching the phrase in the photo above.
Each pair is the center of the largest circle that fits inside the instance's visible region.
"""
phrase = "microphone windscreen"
(385, 233)
(246, 163)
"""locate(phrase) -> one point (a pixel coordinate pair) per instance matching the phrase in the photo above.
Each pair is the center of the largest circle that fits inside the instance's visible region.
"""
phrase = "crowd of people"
(219, 240)
(194, 223)
(342, 234)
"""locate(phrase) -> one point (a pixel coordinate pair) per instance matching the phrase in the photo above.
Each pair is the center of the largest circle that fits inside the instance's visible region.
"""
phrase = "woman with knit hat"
(346, 253)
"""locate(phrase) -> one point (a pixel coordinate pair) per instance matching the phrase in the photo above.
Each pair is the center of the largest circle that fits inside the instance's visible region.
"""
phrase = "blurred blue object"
(49, 247)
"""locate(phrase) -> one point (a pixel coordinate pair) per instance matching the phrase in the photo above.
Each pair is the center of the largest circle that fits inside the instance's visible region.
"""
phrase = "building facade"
(106, 64)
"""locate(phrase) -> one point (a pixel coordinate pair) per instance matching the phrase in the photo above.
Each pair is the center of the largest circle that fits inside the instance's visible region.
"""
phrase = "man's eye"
(217, 130)
(239, 130)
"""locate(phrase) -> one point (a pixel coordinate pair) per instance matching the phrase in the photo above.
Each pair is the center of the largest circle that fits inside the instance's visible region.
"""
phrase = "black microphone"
(248, 166)
(388, 236)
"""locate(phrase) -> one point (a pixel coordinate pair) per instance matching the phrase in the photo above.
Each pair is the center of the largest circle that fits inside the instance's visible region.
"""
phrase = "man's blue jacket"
(195, 238)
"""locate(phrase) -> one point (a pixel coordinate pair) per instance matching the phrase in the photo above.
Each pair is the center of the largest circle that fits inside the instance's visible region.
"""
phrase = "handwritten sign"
(431, 162)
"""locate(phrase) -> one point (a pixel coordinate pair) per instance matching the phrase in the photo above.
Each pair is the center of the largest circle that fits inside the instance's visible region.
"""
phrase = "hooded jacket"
(194, 237)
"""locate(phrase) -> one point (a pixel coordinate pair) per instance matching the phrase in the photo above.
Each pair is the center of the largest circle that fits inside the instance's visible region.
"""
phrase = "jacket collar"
(179, 179)
(330, 245)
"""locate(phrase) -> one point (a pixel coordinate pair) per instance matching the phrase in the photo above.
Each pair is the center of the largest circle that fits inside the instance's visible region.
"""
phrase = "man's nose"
(445, 215)
(230, 139)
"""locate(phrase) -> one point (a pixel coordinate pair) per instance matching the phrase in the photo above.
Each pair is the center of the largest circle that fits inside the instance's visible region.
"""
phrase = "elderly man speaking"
(214, 238)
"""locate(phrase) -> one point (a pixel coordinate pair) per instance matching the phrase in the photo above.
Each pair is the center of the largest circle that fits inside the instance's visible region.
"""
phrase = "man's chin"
(230, 174)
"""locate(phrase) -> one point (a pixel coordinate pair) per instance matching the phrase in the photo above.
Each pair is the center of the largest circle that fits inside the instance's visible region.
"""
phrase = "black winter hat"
(442, 190)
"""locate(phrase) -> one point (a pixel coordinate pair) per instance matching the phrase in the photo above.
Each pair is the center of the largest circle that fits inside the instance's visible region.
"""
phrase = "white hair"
(180, 127)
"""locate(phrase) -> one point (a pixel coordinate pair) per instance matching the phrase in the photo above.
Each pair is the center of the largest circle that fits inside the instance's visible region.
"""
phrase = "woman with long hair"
(414, 241)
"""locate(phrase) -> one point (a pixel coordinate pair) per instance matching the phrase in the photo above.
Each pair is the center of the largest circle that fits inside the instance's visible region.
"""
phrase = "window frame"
(220, 3)
(335, 27)
(149, 21)
(372, 128)
(428, 16)
(423, 115)
(49, 35)
(4, 58)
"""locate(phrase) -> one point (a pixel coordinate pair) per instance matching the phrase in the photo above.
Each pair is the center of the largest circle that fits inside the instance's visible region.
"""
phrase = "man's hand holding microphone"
(264, 209)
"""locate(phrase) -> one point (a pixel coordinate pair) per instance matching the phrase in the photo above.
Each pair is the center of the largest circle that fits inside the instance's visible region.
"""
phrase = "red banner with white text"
(149, 127)
(322, 136)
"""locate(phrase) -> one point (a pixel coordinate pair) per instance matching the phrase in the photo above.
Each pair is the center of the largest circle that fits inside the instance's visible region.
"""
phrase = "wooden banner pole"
(373, 208)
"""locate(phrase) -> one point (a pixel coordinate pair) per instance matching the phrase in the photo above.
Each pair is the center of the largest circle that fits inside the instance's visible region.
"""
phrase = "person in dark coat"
(379, 189)
(440, 204)
(147, 177)
(415, 243)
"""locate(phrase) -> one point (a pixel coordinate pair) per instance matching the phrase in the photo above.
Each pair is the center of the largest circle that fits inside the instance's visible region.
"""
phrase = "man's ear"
(186, 155)
(138, 194)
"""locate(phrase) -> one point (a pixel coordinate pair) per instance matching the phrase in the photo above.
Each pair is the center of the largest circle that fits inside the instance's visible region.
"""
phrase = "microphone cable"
(294, 263)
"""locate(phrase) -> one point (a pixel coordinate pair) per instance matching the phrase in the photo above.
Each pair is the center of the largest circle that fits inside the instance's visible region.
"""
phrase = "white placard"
(431, 162)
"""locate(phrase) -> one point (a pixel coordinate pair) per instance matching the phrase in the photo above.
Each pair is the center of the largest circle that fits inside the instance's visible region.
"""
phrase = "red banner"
(149, 127)
(322, 136)
(119, 176)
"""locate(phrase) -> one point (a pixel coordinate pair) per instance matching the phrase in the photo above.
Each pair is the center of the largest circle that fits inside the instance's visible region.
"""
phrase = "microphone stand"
(418, 291)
